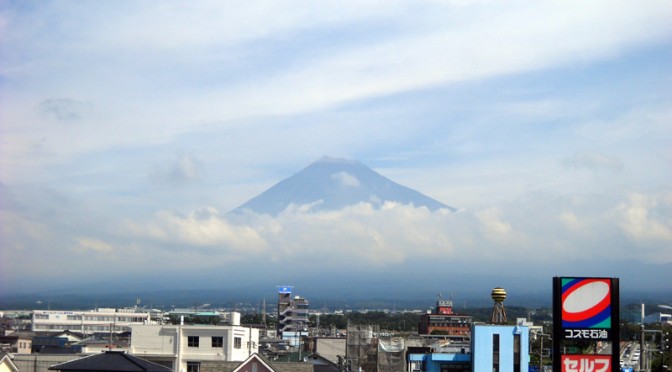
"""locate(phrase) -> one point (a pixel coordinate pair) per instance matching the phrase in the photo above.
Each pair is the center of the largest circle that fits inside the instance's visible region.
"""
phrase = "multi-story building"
(500, 348)
(292, 312)
(444, 321)
(103, 320)
(184, 347)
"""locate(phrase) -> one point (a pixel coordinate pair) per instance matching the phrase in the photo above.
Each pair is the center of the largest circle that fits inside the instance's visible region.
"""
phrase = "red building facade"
(443, 321)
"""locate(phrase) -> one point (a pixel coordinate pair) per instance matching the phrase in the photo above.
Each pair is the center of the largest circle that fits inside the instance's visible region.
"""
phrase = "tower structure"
(498, 312)
(292, 311)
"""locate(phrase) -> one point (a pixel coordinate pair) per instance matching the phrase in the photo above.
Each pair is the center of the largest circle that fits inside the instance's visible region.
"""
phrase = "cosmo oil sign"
(585, 317)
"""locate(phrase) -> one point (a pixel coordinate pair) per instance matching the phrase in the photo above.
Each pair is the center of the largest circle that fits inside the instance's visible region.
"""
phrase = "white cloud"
(571, 221)
(594, 162)
(92, 244)
(136, 42)
(646, 218)
(549, 230)
(185, 168)
(201, 228)
(492, 221)
(20, 232)
(346, 179)
(361, 235)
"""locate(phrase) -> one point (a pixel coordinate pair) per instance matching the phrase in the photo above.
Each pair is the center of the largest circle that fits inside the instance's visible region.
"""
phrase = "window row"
(109, 319)
(79, 327)
(215, 341)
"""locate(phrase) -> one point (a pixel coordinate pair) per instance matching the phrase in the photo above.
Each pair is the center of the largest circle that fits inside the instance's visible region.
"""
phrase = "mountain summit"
(332, 184)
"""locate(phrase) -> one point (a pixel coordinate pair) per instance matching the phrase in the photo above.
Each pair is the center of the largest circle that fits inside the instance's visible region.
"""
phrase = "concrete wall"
(41, 363)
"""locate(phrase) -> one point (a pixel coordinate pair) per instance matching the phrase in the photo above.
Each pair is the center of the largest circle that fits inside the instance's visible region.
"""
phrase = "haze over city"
(129, 130)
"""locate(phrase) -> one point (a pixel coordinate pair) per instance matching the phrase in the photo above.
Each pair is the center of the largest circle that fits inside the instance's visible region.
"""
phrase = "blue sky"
(129, 129)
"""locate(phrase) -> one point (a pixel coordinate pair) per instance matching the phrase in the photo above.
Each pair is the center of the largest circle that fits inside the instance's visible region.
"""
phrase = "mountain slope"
(332, 184)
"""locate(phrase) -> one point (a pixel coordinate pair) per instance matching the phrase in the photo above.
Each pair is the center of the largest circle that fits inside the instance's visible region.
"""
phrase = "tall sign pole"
(586, 316)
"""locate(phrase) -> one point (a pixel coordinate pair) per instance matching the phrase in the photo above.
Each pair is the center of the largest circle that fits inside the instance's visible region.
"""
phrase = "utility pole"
(665, 346)
(541, 349)
(642, 344)
(263, 312)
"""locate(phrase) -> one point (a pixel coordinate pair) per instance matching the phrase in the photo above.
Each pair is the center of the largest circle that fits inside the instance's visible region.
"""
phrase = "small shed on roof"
(110, 361)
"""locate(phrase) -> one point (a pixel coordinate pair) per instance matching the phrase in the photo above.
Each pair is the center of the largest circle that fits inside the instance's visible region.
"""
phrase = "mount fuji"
(332, 184)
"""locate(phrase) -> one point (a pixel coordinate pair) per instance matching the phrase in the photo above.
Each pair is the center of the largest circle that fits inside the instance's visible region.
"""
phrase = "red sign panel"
(586, 363)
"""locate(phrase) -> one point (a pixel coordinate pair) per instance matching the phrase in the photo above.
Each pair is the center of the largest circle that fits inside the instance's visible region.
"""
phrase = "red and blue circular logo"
(586, 303)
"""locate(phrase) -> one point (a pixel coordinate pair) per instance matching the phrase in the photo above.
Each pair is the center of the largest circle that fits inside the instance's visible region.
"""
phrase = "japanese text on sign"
(588, 334)
(586, 363)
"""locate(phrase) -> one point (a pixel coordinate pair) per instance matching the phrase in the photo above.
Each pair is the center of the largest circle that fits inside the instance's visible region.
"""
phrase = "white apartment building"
(184, 347)
(88, 322)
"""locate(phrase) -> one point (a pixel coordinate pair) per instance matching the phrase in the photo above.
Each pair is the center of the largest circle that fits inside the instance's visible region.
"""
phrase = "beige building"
(16, 343)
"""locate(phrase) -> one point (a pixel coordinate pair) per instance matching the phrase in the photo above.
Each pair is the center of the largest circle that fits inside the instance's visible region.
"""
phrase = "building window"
(516, 353)
(41, 316)
(237, 342)
(193, 366)
(495, 352)
(192, 341)
(217, 341)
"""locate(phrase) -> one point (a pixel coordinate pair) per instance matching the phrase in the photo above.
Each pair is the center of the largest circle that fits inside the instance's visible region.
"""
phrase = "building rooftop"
(111, 361)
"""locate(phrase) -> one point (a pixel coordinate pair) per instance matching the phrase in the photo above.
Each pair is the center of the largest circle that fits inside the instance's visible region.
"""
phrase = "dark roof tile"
(110, 361)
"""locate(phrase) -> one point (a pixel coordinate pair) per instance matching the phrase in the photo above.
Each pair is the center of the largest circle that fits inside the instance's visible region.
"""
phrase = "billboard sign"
(586, 363)
(287, 289)
(585, 313)
(586, 308)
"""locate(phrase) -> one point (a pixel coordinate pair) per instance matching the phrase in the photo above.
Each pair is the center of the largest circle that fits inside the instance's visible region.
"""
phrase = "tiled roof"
(110, 361)
(51, 350)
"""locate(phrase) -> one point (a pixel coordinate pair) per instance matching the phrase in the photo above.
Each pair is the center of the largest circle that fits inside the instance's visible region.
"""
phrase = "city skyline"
(129, 130)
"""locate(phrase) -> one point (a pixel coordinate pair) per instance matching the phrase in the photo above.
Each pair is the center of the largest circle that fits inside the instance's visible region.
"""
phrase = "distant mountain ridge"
(332, 184)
